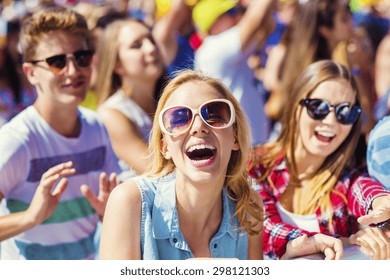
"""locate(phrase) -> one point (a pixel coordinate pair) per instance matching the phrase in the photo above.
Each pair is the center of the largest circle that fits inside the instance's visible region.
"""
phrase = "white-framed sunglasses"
(216, 113)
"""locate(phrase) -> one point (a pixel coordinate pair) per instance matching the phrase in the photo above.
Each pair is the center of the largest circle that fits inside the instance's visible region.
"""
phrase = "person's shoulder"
(20, 127)
(381, 129)
(357, 175)
(263, 151)
(126, 192)
(379, 140)
(150, 184)
(378, 148)
(17, 137)
(137, 187)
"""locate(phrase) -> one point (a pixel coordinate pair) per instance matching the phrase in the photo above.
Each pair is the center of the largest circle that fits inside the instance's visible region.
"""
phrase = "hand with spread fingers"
(106, 185)
(45, 201)
(330, 246)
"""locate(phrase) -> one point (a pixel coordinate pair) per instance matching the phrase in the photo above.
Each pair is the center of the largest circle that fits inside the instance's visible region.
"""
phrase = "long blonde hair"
(324, 180)
(237, 180)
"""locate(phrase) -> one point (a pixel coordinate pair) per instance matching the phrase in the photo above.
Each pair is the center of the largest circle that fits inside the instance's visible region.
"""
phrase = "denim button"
(215, 246)
(174, 240)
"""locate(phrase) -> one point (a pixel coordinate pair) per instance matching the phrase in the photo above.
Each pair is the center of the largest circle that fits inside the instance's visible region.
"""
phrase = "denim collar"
(166, 220)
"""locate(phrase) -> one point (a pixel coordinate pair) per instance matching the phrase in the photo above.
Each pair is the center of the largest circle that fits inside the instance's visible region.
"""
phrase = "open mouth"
(324, 136)
(201, 152)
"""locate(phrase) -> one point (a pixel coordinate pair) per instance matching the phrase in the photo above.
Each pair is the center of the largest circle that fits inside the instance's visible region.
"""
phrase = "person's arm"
(272, 67)
(367, 198)
(370, 203)
(43, 204)
(257, 22)
(167, 28)
(126, 141)
(121, 232)
(272, 82)
(331, 247)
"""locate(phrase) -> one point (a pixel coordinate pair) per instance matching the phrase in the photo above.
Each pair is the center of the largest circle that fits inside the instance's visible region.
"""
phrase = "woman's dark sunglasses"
(57, 63)
(318, 109)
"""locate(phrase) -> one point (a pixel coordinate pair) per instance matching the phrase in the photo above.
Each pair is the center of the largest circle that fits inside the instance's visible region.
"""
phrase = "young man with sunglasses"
(57, 166)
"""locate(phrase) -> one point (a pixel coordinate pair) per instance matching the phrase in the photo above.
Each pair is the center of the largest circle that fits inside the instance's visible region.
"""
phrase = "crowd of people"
(194, 129)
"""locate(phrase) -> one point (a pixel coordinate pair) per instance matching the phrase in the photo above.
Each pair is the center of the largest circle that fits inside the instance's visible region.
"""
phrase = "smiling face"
(317, 139)
(138, 55)
(69, 86)
(202, 153)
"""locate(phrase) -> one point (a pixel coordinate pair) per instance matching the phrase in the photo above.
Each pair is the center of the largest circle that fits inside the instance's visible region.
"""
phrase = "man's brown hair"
(47, 20)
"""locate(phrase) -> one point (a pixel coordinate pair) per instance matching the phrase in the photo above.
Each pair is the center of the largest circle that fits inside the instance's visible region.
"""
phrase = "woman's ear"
(165, 150)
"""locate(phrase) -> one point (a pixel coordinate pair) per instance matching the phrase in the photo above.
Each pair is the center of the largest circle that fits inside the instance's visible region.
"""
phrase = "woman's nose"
(331, 117)
(198, 126)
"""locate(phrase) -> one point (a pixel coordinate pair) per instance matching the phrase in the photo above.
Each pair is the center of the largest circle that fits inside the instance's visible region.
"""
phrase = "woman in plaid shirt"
(305, 176)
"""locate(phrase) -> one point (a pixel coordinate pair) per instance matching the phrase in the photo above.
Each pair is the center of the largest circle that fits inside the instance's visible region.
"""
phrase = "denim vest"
(161, 237)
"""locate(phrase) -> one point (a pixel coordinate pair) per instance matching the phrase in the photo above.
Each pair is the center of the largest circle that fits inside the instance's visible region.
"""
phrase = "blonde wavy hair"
(47, 20)
(237, 180)
(324, 180)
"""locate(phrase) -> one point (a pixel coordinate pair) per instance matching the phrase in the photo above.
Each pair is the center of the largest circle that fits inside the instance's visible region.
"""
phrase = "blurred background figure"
(7, 75)
(176, 34)
(283, 15)
(98, 17)
(130, 72)
(382, 78)
(232, 33)
(378, 161)
(371, 15)
(16, 93)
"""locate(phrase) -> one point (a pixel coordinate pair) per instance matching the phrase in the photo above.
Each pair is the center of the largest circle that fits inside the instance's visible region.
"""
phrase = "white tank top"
(306, 222)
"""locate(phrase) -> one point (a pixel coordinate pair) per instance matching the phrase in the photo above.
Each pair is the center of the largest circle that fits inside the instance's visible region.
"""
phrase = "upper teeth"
(202, 146)
(326, 133)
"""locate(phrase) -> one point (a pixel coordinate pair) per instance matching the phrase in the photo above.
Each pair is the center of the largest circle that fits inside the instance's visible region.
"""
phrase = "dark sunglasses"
(57, 63)
(318, 109)
(216, 113)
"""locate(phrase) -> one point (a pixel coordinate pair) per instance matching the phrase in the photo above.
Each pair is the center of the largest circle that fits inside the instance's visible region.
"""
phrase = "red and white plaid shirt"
(359, 189)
